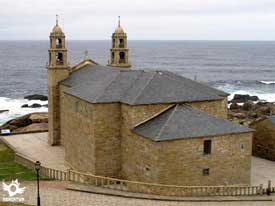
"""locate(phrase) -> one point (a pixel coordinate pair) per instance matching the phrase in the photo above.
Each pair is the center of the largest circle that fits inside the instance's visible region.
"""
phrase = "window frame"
(207, 148)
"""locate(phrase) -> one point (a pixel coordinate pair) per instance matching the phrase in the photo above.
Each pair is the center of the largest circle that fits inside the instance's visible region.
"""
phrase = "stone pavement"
(35, 147)
(54, 194)
(262, 171)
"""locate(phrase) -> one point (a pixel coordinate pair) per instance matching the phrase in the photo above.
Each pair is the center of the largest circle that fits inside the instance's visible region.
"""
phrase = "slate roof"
(183, 121)
(101, 84)
(271, 118)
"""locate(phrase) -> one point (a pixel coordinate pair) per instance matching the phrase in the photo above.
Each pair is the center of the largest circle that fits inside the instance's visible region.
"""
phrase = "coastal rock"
(35, 105)
(36, 97)
(248, 106)
(239, 115)
(239, 98)
(26, 120)
(39, 117)
(265, 110)
(33, 128)
(5, 110)
(234, 106)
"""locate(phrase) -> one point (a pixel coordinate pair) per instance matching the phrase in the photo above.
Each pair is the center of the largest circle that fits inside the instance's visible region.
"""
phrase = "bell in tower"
(57, 51)
(57, 71)
(119, 53)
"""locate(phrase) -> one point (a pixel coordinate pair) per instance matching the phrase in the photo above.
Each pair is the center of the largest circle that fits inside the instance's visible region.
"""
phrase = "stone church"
(155, 127)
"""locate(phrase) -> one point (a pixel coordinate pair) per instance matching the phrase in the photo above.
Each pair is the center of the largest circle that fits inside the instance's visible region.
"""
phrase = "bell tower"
(119, 53)
(57, 70)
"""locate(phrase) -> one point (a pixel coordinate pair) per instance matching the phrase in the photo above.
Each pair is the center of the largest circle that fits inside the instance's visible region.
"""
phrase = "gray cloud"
(142, 19)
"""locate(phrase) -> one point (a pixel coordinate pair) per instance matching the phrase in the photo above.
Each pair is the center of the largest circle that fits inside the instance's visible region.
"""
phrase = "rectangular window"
(207, 147)
(205, 172)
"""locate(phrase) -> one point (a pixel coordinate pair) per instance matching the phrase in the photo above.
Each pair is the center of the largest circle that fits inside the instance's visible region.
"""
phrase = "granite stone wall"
(98, 140)
(91, 135)
(181, 162)
(217, 108)
(77, 132)
(107, 120)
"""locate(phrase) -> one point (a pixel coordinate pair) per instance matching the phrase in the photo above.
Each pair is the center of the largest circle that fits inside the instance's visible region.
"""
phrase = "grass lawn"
(9, 170)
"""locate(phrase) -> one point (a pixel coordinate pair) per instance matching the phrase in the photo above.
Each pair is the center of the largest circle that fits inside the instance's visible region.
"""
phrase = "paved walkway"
(262, 171)
(55, 194)
(35, 147)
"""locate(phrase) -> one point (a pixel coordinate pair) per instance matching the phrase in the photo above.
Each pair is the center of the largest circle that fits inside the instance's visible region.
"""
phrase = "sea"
(237, 67)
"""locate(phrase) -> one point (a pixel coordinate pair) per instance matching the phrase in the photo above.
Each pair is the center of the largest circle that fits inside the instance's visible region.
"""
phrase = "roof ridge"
(174, 76)
(107, 86)
(132, 85)
(145, 85)
(155, 115)
(169, 118)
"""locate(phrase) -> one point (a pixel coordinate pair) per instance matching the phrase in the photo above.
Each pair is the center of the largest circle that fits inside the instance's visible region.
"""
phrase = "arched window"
(59, 58)
(113, 57)
(114, 42)
(58, 43)
(121, 43)
(121, 57)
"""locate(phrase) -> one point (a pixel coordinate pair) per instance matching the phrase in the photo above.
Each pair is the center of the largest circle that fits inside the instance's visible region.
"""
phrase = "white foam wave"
(267, 82)
(15, 110)
(269, 97)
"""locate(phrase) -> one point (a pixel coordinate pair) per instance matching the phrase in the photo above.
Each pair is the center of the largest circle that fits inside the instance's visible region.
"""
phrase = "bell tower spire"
(57, 70)
(119, 53)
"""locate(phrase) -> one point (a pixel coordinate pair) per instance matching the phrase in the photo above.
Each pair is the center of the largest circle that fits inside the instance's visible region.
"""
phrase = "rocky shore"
(245, 109)
(33, 122)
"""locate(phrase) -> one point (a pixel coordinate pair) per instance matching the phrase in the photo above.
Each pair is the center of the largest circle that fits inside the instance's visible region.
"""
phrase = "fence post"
(268, 190)
(261, 189)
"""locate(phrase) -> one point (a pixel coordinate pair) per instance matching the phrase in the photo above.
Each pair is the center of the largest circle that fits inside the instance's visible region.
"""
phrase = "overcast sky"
(141, 19)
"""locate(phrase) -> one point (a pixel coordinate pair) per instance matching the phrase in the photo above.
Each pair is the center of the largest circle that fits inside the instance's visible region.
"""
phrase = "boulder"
(26, 120)
(234, 106)
(265, 110)
(5, 110)
(33, 128)
(45, 105)
(248, 106)
(36, 97)
(16, 123)
(239, 115)
(239, 98)
(25, 106)
(39, 117)
(35, 105)
(253, 115)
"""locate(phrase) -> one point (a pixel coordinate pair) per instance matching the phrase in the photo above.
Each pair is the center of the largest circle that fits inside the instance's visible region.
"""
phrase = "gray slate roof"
(272, 119)
(100, 84)
(183, 121)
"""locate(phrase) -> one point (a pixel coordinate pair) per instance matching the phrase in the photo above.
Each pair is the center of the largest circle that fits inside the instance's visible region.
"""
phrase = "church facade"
(155, 127)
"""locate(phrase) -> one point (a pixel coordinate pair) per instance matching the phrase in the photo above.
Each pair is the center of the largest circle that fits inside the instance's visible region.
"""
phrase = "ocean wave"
(267, 82)
(269, 97)
(15, 110)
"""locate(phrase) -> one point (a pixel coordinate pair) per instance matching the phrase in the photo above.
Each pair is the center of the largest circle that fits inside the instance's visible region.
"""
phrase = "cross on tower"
(56, 19)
